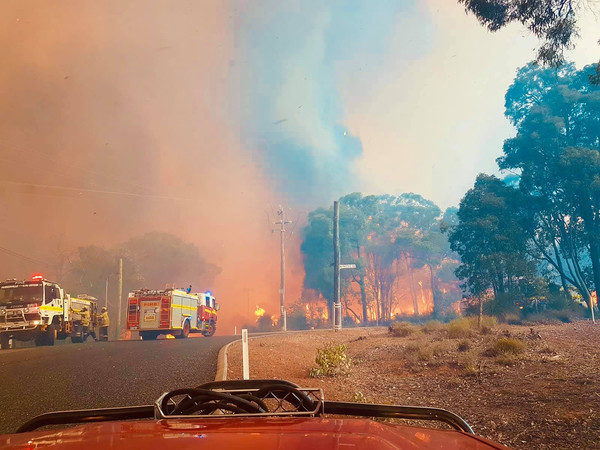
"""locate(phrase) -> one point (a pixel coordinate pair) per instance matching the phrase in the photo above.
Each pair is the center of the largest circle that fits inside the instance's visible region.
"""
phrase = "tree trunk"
(363, 299)
(433, 288)
(363, 292)
(412, 287)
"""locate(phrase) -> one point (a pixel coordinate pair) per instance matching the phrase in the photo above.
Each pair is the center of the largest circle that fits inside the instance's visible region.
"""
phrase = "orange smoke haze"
(135, 98)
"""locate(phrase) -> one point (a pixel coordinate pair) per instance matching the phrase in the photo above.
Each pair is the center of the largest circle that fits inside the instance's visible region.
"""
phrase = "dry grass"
(432, 326)
(467, 326)
(509, 346)
(402, 329)
(459, 328)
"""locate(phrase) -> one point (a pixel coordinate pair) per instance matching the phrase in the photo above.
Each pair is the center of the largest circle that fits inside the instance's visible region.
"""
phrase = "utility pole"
(106, 294)
(337, 305)
(120, 298)
(337, 267)
(282, 223)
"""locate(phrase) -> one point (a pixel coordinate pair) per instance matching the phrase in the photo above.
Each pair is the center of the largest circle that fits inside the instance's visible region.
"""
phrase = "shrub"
(487, 322)
(490, 352)
(412, 347)
(509, 345)
(562, 316)
(425, 353)
(506, 359)
(432, 326)
(459, 328)
(540, 318)
(464, 346)
(331, 360)
(402, 329)
(441, 348)
(512, 319)
(469, 364)
(359, 397)
(547, 350)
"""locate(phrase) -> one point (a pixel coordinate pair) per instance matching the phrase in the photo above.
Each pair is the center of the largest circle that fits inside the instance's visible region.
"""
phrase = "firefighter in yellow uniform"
(104, 322)
(85, 324)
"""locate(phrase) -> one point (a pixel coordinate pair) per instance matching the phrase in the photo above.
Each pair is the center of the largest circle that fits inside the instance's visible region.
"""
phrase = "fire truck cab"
(41, 310)
(171, 311)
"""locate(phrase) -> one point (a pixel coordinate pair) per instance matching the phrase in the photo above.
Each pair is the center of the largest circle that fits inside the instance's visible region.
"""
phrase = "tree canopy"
(544, 218)
(554, 22)
(387, 237)
(152, 260)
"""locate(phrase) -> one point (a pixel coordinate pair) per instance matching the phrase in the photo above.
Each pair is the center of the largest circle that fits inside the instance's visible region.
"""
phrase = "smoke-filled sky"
(198, 118)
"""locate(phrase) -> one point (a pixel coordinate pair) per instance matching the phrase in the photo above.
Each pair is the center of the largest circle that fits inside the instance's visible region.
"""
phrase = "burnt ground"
(547, 396)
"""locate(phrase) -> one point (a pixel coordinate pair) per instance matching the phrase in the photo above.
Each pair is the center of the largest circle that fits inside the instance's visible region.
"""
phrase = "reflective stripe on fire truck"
(50, 308)
(183, 306)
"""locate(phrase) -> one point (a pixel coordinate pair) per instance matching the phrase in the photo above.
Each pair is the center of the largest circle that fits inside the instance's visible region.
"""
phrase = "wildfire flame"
(316, 311)
(259, 312)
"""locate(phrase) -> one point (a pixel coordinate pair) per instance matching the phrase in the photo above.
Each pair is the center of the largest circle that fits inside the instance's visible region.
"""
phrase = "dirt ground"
(546, 397)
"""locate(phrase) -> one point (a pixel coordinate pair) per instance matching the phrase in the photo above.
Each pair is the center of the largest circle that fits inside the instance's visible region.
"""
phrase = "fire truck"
(39, 309)
(171, 311)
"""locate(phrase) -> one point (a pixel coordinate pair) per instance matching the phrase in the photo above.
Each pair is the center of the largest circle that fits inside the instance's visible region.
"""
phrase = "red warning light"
(37, 277)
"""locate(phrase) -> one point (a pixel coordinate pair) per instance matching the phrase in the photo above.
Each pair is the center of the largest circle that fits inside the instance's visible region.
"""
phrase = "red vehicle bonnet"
(246, 433)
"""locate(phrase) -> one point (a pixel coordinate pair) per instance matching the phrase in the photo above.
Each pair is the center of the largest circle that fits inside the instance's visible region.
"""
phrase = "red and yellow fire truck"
(171, 311)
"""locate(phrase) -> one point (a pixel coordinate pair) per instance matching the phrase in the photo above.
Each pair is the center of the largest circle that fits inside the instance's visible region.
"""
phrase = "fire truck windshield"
(26, 293)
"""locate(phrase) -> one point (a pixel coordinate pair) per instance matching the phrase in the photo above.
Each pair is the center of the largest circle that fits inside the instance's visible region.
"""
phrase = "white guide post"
(245, 363)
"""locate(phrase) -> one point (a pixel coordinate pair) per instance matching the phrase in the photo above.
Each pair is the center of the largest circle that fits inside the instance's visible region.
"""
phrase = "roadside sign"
(347, 266)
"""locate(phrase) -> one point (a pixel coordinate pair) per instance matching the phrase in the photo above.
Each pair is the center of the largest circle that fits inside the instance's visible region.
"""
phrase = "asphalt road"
(100, 374)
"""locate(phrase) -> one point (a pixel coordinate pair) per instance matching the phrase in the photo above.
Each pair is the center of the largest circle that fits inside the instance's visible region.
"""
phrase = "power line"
(27, 258)
(94, 191)
(61, 161)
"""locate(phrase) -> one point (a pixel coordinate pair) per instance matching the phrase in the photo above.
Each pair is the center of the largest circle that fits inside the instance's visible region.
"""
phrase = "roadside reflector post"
(235, 330)
(245, 362)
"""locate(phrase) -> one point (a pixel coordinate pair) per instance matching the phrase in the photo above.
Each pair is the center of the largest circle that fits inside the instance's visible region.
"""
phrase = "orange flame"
(259, 312)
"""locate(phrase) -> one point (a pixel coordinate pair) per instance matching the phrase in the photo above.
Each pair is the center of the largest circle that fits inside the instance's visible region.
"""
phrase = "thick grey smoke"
(292, 57)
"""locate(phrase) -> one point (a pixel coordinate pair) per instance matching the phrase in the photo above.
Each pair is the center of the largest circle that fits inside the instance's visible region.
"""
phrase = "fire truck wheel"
(4, 341)
(40, 340)
(50, 335)
(212, 327)
(77, 336)
(185, 332)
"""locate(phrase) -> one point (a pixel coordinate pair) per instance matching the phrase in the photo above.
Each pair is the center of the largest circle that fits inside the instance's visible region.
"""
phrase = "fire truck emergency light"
(37, 277)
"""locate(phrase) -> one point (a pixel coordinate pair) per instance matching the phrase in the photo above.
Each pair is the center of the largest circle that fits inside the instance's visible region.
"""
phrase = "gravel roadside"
(547, 397)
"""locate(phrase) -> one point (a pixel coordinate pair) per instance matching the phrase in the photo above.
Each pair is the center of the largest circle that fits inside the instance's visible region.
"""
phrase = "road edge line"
(221, 374)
